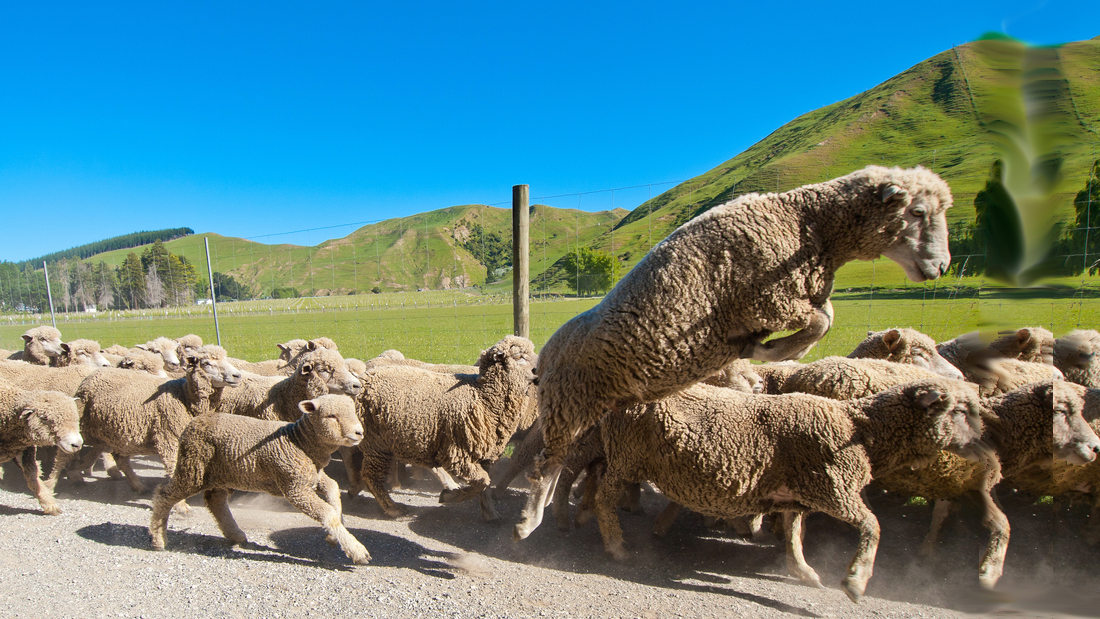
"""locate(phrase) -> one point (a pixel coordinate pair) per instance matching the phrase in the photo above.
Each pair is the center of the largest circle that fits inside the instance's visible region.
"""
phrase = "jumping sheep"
(129, 413)
(35, 418)
(727, 454)
(219, 453)
(275, 398)
(453, 421)
(722, 283)
(40, 346)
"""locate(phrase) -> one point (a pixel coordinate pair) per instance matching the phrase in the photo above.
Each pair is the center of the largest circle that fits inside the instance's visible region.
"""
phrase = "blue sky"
(261, 118)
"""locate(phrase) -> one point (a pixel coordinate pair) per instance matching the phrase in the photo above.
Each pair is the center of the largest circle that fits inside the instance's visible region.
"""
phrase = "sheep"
(35, 418)
(1012, 374)
(143, 361)
(722, 283)
(394, 357)
(356, 366)
(117, 350)
(187, 344)
(30, 376)
(773, 375)
(1033, 344)
(1075, 355)
(725, 453)
(738, 375)
(220, 453)
(129, 413)
(453, 421)
(1076, 472)
(1018, 425)
(288, 357)
(275, 398)
(841, 378)
(81, 352)
(165, 348)
(905, 346)
(40, 346)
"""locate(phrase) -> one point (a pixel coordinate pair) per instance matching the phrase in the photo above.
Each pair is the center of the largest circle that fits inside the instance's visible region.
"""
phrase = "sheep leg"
(164, 498)
(665, 519)
(561, 496)
(587, 509)
(33, 474)
(542, 485)
(59, 465)
(131, 476)
(611, 530)
(373, 476)
(796, 345)
(445, 478)
(939, 516)
(863, 563)
(478, 485)
(349, 455)
(307, 501)
(993, 560)
(110, 465)
(217, 501)
(522, 457)
(795, 527)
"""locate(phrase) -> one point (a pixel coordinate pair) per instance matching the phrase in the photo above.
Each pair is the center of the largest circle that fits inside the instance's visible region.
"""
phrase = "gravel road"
(93, 561)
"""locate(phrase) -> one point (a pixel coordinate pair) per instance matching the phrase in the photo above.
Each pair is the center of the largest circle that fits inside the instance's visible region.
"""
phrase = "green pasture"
(453, 327)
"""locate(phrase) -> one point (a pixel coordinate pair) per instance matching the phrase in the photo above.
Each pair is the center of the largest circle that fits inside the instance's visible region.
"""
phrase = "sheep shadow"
(386, 550)
(696, 558)
(189, 542)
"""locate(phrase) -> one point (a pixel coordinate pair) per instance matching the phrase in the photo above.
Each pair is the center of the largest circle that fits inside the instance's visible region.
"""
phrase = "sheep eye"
(918, 211)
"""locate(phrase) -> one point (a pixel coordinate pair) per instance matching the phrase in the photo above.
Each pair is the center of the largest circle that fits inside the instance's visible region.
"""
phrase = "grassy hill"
(935, 114)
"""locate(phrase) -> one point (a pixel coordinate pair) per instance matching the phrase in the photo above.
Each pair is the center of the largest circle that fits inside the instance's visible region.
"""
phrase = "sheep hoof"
(619, 554)
(51, 510)
(360, 558)
(853, 590)
(182, 508)
(112, 472)
(396, 513)
(156, 546)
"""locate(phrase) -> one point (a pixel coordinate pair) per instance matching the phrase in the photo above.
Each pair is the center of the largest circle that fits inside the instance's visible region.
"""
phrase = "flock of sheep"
(654, 385)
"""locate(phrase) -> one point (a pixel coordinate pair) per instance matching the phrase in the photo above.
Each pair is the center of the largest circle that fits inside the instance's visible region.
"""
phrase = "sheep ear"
(930, 397)
(27, 338)
(892, 338)
(126, 363)
(312, 345)
(307, 406)
(282, 347)
(65, 346)
(191, 360)
(499, 356)
(1023, 336)
(141, 347)
(891, 193)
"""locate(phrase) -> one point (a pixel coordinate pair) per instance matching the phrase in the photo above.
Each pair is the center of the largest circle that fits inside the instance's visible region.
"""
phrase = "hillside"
(935, 114)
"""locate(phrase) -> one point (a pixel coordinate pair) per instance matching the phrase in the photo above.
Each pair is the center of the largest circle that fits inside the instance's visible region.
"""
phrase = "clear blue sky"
(258, 118)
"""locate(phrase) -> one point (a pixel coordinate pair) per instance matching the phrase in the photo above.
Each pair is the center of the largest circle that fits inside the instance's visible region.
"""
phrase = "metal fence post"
(49, 294)
(213, 302)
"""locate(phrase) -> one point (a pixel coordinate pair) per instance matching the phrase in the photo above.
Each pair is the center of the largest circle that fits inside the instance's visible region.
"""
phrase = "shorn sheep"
(130, 414)
(33, 418)
(454, 421)
(722, 283)
(40, 346)
(727, 454)
(220, 453)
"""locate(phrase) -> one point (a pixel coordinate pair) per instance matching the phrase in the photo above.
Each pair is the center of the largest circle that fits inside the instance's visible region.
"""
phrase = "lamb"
(275, 398)
(722, 283)
(905, 346)
(841, 378)
(40, 346)
(1018, 426)
(1075, 355)
(34, 418)
(453, 421)
(81, 352)
(220, 453)
(728, 454)
(128, 413)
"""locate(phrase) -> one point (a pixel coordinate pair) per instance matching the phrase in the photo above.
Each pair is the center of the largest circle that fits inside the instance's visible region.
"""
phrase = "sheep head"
(187, 344)
(512, 353)
(82, 352)
(1076, 350)
(919, 200)
(45, 339)
(328, 369)
(905, 346)
(51, 418)
(165, 348)
(144, 361)
(211, 364)
(1074, 440)
(290, 349)
(1034, 344)
(333, 418)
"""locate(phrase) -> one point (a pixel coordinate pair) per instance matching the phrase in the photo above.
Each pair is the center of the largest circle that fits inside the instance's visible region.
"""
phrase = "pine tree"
(131, 281)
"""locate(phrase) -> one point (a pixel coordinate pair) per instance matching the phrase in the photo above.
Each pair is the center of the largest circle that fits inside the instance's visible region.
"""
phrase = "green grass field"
(453, 327)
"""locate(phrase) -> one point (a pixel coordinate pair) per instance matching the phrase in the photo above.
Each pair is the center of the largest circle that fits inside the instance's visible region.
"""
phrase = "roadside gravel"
(94, 561)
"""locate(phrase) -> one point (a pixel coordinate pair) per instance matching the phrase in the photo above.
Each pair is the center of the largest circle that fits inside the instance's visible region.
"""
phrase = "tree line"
(125, 241)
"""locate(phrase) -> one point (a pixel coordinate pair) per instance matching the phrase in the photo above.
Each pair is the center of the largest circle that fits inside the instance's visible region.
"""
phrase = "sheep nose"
(354, 387)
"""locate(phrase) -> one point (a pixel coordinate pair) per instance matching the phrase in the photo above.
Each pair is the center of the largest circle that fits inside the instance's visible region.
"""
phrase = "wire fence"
(437, 285)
